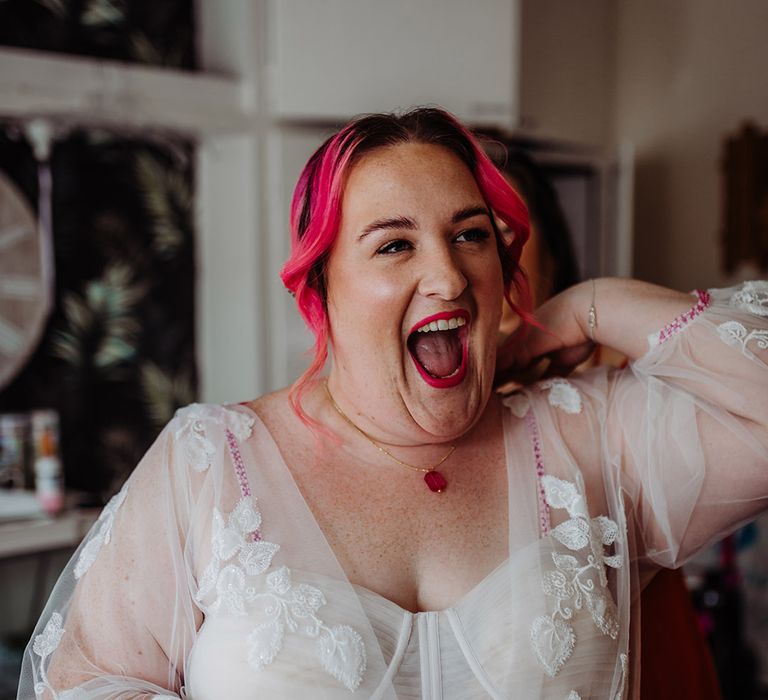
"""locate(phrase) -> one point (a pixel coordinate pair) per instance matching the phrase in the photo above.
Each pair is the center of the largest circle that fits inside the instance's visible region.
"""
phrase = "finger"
(522, 376)
(566, 360)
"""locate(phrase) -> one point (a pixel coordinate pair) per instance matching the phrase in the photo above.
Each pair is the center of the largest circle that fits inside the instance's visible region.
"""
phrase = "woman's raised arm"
(686, 424)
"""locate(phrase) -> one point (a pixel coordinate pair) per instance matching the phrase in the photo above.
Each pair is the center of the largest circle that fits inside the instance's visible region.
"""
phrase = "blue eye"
(473, 235)
(396, 246)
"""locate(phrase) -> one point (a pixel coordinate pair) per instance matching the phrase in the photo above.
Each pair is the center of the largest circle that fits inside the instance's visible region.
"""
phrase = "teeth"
(443, 324)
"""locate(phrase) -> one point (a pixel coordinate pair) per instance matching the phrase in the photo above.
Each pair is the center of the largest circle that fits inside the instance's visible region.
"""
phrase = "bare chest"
(394, 536)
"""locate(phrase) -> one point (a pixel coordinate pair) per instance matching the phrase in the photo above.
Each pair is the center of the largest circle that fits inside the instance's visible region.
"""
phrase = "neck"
(391, 427)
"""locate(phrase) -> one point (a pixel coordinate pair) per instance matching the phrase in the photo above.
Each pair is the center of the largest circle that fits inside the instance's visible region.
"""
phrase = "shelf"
(100, 92)
(45, 534)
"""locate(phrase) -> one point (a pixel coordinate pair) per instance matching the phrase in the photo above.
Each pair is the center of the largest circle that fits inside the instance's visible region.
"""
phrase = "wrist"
(587, 306)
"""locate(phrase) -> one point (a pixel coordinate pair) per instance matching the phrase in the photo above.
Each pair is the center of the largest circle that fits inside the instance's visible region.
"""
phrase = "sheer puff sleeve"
(122, 619)
(685, 425)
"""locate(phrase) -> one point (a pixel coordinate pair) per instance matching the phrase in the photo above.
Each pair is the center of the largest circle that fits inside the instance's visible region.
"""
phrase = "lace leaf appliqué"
(736, 334)
(572, 583)
(340, 649)
(518, 403)
(752, 297)
(553, 642)
(90, 551)
(239, 537)
(342, 653)
(562, 395)
(238, 553)
(199, 449)
(44, 645)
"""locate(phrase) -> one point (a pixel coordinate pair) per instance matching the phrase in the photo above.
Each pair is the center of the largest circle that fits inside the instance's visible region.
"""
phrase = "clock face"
(25, 281)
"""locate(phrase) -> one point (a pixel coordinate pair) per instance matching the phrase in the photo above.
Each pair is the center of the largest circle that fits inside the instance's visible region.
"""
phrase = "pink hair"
(316, 213)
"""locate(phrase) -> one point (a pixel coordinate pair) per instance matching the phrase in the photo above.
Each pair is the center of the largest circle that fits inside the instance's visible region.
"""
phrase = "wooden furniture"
(744, 232)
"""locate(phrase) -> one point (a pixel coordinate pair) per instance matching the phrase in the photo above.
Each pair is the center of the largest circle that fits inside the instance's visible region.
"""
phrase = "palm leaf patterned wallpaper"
(117, 357)
(155, 32)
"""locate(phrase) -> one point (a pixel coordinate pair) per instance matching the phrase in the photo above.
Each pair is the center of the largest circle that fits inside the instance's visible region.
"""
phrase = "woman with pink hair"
(394, 529)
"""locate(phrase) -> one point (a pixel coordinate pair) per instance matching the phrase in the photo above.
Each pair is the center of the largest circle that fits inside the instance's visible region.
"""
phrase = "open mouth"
(438, 346)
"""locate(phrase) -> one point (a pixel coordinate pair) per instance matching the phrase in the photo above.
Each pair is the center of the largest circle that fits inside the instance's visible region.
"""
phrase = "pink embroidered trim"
(704, 300)
(533, 431)
(237, 460)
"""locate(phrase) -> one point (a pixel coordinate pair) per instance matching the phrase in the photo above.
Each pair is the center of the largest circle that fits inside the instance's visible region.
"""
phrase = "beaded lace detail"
(576, 582)
(237, 458)
(236, 539)
(293, 608)
(751, 297)
(533, 432)
(703, 301)
(234, 584)
(199, 450)
(736, 334)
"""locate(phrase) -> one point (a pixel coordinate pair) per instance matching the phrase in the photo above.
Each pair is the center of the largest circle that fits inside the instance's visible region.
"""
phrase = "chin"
(448, 413)
(449, 395)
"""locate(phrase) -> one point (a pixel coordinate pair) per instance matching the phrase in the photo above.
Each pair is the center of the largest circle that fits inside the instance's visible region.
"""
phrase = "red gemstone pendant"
(436, 481)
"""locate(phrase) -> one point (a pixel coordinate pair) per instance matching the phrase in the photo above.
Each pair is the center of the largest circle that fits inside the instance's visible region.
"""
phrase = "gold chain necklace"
(433, 478)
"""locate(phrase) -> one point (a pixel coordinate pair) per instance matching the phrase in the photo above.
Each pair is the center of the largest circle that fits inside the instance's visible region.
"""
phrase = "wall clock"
(26, 275)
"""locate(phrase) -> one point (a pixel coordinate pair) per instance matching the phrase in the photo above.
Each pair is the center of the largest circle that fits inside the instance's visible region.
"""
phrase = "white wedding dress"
(207, 577)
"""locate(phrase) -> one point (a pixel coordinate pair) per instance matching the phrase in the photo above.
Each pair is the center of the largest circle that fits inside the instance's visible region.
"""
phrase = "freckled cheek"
(368, 309)
(384, 305)
(361, 288)
(381, 297)
(382, 290)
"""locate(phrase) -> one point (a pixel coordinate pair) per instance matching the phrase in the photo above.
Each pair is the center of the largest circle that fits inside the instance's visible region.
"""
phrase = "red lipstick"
(458, 313)
(458, 376)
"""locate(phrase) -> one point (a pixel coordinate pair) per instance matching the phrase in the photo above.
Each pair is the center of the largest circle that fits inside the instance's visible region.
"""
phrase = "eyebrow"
(468, 213)
(397, 222)
(404, 222)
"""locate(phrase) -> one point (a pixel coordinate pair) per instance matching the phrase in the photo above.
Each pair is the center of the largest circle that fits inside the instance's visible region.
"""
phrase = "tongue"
(438, 352)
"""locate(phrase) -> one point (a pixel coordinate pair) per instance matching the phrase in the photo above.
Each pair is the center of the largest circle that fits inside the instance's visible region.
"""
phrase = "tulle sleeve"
(685, 425)
(122, 617)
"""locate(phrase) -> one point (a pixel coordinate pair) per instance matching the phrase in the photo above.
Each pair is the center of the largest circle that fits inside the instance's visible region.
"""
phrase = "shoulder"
(273, 408)
(565, 417)
(237, 418)
(200, 434)
(570, 401)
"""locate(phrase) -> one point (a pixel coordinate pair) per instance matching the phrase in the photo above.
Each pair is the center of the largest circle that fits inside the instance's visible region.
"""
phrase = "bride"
(395, 530)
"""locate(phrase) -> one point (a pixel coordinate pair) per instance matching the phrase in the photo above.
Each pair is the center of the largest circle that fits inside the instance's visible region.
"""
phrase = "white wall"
(688, 72)
(567, 68)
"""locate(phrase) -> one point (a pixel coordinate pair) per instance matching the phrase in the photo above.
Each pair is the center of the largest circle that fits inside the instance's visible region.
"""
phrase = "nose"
(441, 276)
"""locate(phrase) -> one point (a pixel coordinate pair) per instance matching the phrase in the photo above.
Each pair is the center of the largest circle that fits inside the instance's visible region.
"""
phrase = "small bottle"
(48, 472)
(14, 455)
